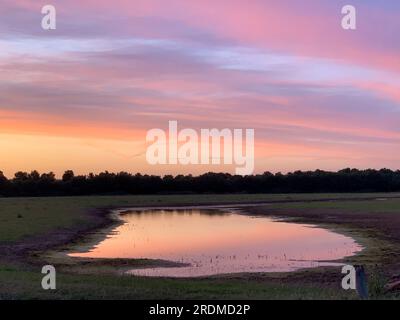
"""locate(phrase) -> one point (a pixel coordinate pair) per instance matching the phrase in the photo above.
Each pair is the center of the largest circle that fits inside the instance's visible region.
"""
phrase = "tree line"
(347, 180)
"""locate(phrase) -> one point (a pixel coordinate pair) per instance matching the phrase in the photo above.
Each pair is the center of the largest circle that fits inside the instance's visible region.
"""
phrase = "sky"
(84, 96)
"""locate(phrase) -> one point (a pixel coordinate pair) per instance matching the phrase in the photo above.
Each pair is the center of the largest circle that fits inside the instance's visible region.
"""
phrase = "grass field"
(22, 217)
(30, 222)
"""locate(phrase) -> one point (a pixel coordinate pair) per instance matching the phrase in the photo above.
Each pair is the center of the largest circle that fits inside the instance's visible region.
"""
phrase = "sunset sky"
(83, 96)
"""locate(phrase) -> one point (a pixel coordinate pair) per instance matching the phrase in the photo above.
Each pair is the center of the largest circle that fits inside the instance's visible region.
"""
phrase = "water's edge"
(116, 216)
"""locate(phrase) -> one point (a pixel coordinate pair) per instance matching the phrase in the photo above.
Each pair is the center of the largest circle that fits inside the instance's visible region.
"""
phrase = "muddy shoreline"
(28, 251)
(99, 218)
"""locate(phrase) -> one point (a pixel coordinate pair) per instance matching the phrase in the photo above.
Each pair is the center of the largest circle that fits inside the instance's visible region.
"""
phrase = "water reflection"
(219, 242)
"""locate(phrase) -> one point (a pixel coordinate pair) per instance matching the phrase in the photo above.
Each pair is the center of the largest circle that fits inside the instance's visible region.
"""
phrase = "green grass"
(21, 218)
(17, 284)
(387, 206)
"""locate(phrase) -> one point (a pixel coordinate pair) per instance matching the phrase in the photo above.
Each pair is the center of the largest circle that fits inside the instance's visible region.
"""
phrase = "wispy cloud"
(285, 68)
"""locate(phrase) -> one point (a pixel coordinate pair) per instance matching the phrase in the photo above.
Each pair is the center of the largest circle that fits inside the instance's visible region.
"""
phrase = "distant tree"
(68, 176)
(4, 184)
(34, 176)
(346, 180)
(48, 177)
(21, 176)
(3, 178)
